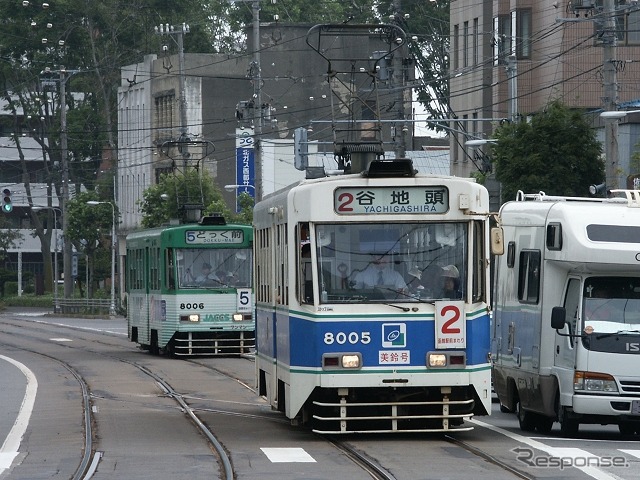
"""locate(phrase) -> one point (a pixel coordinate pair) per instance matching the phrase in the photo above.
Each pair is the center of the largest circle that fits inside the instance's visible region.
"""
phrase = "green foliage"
(556, 152)
(28, 300)
(165, 200)
(427, 29)
(9, 237)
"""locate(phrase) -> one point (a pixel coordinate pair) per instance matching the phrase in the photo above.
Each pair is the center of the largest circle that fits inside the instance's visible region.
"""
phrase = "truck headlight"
(594, 382)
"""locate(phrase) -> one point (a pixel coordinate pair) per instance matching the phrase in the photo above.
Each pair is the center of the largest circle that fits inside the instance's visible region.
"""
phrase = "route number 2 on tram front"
(450, 325)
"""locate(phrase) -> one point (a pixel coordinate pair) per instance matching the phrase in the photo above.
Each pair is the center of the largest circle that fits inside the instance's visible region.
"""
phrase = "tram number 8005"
(351, 337)
(192, 306)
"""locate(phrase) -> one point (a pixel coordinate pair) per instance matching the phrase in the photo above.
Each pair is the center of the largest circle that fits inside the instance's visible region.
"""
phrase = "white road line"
(282, 455)
(573, 453)
(9, 449)
(633, 453)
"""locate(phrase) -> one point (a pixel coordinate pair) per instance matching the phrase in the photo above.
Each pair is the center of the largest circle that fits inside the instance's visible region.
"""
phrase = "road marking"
(553, 451)
(9, 449)
(282, 455)
(60, 339)
(633, 453)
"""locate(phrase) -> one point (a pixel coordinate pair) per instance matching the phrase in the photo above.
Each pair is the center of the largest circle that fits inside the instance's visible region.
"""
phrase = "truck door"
(565, 347)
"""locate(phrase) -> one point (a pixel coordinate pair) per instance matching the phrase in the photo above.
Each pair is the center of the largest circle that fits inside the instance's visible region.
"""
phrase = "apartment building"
(510, 58)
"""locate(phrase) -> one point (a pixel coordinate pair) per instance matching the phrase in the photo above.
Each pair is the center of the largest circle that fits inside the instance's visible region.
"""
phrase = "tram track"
(358, 455)
(86, 469)
(489, 458)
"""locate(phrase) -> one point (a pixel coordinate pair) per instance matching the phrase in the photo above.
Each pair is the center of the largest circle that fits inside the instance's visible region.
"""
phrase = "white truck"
(566, 319)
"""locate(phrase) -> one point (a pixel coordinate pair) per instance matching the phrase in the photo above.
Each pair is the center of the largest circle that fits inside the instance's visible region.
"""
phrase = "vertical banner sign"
(245, 166)
(450, 325)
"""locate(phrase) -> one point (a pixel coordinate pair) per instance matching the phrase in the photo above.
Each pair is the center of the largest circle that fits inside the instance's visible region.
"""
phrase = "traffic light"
(7, 206)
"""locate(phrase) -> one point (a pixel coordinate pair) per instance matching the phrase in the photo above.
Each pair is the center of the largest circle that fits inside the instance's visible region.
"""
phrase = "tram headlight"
(339, 361)
(238, 317)
(192, 317)
(350, 361)
(446, 359)
(594, 382)
(436, 360)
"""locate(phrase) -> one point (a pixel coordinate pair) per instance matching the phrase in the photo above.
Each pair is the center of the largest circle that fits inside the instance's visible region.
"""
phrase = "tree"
(9, 237)
(90, 228)
(557, 152)
(89, 42)
(165, 200)
(427, 27)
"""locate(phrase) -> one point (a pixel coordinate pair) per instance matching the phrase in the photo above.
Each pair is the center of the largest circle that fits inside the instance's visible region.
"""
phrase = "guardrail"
(83, 305)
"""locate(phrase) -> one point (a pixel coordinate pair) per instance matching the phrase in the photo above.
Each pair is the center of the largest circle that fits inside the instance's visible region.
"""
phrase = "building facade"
(510, 58)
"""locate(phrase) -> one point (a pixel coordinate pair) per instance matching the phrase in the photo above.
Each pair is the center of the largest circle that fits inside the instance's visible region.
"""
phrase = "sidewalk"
(48, 312)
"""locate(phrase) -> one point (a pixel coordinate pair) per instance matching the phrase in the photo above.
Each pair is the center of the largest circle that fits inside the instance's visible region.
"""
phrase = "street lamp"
(480, 142)
(231, 188)
(112, 307)
(56, 306)
(612, 118)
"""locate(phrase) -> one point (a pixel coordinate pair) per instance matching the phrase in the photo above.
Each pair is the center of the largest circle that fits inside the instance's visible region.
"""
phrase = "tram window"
(304, 273)
(171, 277)
(419, 255)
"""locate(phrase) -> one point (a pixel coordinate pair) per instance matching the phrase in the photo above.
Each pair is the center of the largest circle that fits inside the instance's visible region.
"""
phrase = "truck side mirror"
(558, 316)
(497, 241)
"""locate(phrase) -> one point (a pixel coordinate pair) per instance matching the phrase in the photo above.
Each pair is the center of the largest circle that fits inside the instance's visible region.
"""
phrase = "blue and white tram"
(344, 353)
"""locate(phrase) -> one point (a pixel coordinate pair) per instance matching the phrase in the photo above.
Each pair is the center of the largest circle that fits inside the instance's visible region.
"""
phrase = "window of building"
(523, 33)
(465, 44)
(456, 45)
(502, 39)
(631, 32)
(476, 33)
(512, 36)
(164, 116)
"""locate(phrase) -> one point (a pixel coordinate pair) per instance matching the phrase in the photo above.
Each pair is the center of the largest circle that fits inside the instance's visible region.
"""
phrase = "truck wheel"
(568, 426)
(628, 428)
(525, 419)
(544, 424)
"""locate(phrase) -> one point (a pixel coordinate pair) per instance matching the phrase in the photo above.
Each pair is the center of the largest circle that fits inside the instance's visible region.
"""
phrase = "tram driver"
(380, 273)
(207, 277)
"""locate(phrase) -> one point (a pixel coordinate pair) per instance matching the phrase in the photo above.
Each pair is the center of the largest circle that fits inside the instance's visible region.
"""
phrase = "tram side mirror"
(558, 316)
(497, 241)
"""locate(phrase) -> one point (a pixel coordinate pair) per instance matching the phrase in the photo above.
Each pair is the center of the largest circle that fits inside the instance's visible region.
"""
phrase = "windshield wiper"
(610, 334)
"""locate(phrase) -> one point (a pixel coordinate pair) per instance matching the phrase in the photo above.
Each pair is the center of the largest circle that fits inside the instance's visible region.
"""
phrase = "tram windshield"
(214, 268)
(382, 262)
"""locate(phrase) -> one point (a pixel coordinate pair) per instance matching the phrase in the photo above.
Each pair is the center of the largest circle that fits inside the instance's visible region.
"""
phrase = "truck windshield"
(611, 304)
(391, 262)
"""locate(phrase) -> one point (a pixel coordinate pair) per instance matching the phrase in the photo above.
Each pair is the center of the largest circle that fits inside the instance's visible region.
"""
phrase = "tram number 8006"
(192, 306)
(351, 337)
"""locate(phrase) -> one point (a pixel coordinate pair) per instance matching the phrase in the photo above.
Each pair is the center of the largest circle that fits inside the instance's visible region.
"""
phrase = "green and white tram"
(189, 288)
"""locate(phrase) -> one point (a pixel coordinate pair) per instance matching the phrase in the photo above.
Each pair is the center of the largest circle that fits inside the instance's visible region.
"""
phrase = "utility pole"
(398, 84)
(610, 98)
(512, 75)
(256, 76)
(67, 249)
(179, 33)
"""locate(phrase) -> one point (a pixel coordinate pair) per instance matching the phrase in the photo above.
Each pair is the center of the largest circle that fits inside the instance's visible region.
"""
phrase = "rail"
(83, 305)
